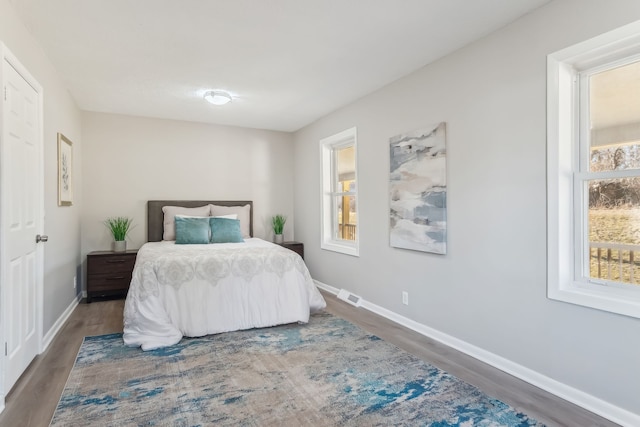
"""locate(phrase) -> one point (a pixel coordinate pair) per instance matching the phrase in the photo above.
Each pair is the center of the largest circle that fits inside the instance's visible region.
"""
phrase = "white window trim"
(327, 241)
(565, 281)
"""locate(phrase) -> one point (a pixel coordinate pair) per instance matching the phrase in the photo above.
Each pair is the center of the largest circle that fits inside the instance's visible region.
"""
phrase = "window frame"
(567, 178)
(329, 180)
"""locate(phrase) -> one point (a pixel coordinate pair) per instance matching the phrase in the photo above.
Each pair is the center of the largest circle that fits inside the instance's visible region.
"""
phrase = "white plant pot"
(120, 246)
(278, 239)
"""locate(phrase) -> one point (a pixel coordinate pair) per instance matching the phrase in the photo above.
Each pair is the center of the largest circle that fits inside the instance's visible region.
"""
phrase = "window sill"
(343, 248)
(612, 299)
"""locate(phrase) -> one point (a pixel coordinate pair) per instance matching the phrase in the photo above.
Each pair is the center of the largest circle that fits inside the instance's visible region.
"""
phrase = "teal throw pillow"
(192, 230)
(225, 230)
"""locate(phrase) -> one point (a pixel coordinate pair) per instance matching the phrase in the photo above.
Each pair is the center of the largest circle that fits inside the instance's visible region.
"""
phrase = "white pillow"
(243, 214)
(232, 216)
(170, 213)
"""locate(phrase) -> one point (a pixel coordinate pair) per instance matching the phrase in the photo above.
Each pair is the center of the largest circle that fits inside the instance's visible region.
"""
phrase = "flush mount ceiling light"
(217, 97)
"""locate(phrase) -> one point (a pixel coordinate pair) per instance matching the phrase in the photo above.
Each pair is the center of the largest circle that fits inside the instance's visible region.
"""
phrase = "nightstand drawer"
(109, 282)
(110, 264)
(109, 273)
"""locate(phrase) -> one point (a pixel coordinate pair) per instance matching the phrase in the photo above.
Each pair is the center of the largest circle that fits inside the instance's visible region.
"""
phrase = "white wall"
(62, 224)
(129, 160)
(490, 289)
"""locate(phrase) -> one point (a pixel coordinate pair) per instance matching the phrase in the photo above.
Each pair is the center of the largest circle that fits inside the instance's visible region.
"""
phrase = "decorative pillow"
(225, 230)
(243, 212)
(192, 230)
(195, 236)
(170, 213)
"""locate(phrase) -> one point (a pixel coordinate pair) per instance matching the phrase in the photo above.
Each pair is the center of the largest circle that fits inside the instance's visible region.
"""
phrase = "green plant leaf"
(119, 227)
(277, 222)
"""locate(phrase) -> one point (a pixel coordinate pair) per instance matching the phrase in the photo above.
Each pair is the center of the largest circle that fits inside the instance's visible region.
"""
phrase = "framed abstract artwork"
(65, 171)
(418, 190)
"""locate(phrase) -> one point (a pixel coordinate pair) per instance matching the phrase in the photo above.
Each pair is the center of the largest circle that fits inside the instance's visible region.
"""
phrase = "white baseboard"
(326, 287)
(51, 334)
(590, 403)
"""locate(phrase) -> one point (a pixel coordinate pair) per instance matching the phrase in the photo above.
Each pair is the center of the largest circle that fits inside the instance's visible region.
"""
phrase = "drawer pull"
(115, 261)
(115, 278)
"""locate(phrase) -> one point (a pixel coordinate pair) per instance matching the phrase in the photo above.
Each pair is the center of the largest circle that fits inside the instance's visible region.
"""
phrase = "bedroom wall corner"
(60, 114)
(129, 160)
(489, 290)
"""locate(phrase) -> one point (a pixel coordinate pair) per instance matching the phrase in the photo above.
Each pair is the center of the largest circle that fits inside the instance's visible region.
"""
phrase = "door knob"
(43, 238)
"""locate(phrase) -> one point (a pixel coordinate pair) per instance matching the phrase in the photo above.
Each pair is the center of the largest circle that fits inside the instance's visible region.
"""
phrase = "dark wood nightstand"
(296, 247)
(109, 273)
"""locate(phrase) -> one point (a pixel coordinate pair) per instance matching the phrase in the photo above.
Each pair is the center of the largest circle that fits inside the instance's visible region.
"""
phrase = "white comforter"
(196, 290)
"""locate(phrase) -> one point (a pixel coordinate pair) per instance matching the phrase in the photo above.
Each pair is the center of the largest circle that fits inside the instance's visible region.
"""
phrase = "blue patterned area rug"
(328, 372)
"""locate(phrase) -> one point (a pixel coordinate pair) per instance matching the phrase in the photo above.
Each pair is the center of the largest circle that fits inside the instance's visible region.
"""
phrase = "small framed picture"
(65, 171)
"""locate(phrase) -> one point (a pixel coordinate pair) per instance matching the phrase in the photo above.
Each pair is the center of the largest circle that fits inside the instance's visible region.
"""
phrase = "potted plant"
(119, 227)
(278, 227)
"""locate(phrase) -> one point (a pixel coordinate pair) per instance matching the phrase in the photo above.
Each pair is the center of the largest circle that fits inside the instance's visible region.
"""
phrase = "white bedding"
(196, 290)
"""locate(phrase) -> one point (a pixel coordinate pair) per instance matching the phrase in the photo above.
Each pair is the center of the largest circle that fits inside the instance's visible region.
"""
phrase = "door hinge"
(5, 93)
(6, 353)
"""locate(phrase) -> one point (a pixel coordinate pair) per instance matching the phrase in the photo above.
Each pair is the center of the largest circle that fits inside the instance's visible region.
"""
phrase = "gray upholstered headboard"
(155, 216)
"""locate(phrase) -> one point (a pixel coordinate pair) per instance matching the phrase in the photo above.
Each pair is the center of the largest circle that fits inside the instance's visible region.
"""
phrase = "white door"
(21, 220)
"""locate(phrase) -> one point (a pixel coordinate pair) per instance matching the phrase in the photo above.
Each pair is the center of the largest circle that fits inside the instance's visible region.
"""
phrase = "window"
(339, 193)
(593, 172)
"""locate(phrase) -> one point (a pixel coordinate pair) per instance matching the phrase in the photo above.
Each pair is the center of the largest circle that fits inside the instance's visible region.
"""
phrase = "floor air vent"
(349, 297)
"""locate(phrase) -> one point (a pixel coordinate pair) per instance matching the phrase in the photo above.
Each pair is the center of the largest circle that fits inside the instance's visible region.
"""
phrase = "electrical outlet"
(75, 282)
(405, 298)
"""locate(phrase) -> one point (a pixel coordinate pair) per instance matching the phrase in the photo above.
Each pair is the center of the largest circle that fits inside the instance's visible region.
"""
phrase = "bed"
(204, 288)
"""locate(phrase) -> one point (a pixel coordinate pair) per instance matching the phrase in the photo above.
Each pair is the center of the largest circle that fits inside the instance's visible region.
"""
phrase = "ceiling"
(286, 62)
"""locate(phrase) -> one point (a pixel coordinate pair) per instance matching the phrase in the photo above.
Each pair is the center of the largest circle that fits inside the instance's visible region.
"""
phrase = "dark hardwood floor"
(35, 396)
(535, 402)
